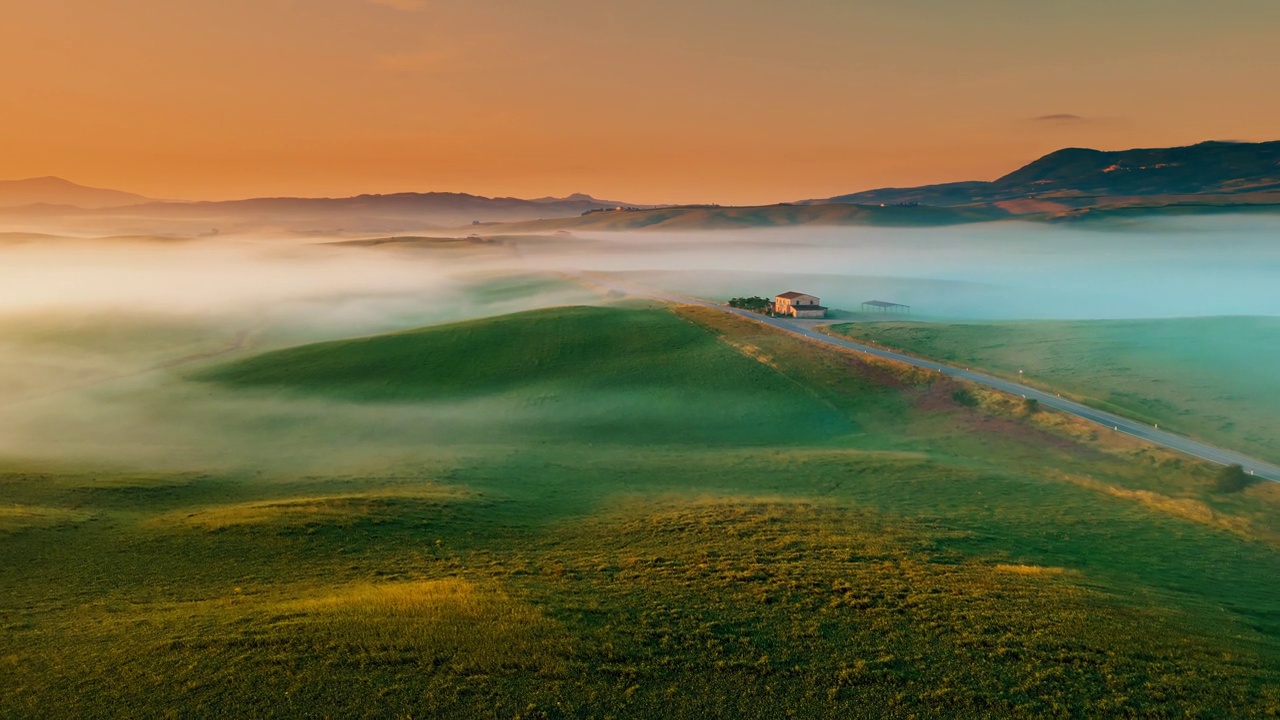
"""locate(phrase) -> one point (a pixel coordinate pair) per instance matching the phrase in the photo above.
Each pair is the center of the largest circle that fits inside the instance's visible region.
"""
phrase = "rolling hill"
(56, 191)
(580, 509)
(624, 369)
(711, 217)
(1077, 177)
(393, 213)
(1068, 184)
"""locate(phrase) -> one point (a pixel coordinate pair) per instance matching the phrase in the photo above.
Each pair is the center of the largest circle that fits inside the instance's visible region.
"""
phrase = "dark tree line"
(758, 304)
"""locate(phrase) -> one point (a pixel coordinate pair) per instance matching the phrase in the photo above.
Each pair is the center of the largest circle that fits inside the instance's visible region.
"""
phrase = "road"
(1107, 420)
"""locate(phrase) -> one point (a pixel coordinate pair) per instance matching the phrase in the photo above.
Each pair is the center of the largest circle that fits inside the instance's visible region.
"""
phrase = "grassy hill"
(1201, 376)
(625, 372)
(915, 547)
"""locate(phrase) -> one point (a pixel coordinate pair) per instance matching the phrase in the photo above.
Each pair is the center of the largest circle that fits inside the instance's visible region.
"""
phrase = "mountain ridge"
(52, 190)
(1067, 184)
(1072, 175)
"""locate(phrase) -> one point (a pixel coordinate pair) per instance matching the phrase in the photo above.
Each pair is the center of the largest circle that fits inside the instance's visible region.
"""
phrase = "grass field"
(1204, 377)
(647, 512)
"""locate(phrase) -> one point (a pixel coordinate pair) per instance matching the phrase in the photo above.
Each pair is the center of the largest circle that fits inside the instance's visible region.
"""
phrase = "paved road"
(1112, 422)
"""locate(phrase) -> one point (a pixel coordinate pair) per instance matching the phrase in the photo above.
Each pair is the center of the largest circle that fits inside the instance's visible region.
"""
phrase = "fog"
(97, 338)
(1158, 268)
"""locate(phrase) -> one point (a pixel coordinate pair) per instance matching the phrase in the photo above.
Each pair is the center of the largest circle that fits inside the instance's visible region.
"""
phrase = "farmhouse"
(798, 304)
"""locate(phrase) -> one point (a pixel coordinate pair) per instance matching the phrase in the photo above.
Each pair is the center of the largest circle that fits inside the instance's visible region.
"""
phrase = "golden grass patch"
(15, 518)
(402, 598)
(1031, 569)
(751, 351)
(1184, 508)
(340, 509)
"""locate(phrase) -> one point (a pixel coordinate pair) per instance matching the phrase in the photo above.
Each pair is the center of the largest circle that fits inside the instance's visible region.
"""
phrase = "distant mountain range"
(52, 199)
(1077, 177)
(56, 191)
(1064, 185)
(439, 209)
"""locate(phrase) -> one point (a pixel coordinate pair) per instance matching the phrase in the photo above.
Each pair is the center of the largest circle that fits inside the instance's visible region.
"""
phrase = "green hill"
(626, 372)
(1198, 376)
(695, 532)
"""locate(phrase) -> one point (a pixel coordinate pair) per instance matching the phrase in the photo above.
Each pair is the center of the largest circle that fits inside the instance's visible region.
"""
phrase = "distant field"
(631, 511)
(1212, 378)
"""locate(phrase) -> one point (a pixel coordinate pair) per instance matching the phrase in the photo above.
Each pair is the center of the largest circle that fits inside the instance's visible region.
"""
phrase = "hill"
(394, 213)
(56, 191)
(631, 360)
(1077, 177)
(630, 511)
(1197, 376)
(704, 217)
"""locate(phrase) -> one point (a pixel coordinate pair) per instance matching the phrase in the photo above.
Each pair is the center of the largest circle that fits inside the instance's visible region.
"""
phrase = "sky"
(727, 101)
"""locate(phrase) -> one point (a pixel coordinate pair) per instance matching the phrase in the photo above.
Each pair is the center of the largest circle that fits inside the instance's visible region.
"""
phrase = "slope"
(1080, 176)
(1197, 376)
(592, 373)
(56, 191)
(951, 560)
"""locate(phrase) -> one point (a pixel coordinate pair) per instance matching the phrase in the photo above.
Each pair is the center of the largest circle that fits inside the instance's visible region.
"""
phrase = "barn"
(798, 305)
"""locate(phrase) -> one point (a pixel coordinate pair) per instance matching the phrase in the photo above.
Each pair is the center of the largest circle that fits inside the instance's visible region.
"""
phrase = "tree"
(755, 303)
(1231, 479)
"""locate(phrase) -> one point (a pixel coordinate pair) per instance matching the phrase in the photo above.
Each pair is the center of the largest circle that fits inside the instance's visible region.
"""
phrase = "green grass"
(614, 373)
(1204, 377)
(901, 554)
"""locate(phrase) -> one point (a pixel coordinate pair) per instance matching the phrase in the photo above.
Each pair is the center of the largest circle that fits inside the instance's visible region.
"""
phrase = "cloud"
(1059, 117)
(405, 5)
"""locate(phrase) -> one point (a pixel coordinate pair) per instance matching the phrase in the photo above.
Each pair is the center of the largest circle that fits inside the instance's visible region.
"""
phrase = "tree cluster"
(754, 303)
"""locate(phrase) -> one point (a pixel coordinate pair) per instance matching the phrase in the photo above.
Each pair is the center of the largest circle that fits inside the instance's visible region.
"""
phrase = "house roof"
(792, 295)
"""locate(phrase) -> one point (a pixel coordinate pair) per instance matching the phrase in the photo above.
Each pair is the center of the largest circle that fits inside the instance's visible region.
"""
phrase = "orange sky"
(730, 101)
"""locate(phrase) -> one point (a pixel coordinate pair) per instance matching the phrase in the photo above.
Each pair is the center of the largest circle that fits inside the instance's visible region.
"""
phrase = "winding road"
(1109, 421)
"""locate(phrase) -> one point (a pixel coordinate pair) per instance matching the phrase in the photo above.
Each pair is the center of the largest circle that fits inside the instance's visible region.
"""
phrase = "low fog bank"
(97, 337)
(1226, 265)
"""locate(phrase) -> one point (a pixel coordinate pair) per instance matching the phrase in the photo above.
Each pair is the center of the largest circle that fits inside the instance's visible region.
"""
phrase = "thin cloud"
(405, 5)
(1059, 117)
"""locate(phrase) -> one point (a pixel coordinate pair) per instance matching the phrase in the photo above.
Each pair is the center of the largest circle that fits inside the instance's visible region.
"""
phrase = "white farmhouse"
(798, 305)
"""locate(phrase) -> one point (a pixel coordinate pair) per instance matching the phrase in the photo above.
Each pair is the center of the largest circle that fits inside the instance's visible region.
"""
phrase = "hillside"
(578, 512)
(1195, 376)
(632, 360)
(1076, 177)
(765, 216)
(56, 191)
(1068, 184)
(394, 213)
